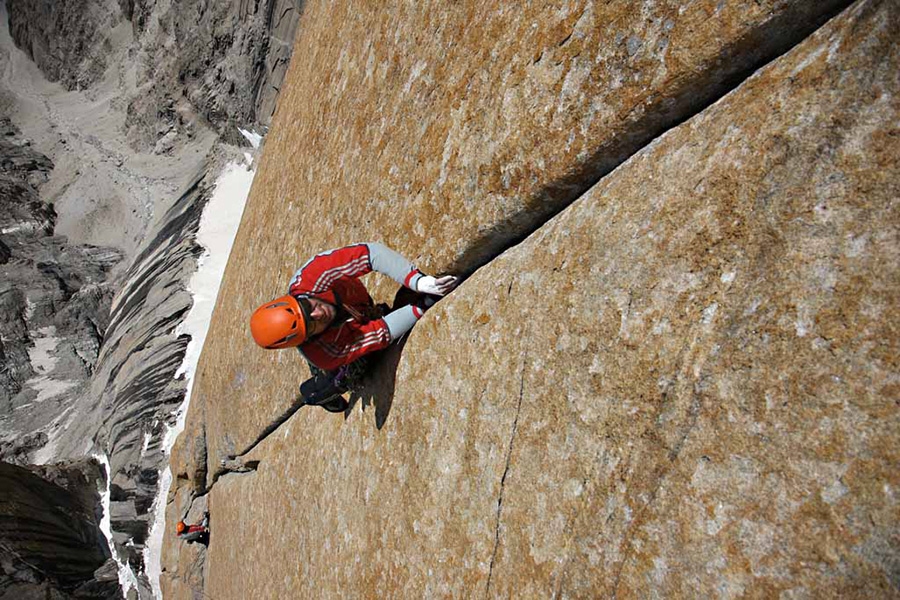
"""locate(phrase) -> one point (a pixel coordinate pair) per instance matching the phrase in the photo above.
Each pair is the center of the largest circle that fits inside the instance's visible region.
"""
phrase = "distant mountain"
(89, 344)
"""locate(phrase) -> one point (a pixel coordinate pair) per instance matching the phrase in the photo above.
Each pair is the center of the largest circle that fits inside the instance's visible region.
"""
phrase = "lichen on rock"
(684, 383)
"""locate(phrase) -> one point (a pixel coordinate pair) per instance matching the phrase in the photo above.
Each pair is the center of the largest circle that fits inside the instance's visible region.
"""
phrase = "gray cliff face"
(54, 303)
(51, 545)
(130, 398)
(46, 30)
(90, 347)
(135, 381)
(231, 79)
(219, 62)
(85, 369)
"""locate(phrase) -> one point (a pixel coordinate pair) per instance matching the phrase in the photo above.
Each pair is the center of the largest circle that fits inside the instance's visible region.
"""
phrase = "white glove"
(437, 287)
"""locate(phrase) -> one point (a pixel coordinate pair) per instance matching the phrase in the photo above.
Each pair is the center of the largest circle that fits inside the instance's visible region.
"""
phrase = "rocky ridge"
(135, 160)
(51, 545)
(55, 298)
(682, 384)
(231, 80)
(134, 392)
(66, 40)
(190, 60)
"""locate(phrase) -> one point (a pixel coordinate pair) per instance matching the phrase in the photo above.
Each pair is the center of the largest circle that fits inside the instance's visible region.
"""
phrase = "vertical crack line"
(663, 471)
(512, 439)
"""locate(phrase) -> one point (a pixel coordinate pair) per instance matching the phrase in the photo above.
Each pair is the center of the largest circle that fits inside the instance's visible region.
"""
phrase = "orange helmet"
(280, 323)
(180, 527)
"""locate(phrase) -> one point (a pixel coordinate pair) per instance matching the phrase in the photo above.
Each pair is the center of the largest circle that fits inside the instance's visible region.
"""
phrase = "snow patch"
(47, 453)
(147, 437)
(49, 388)
(218, 227)
(127, 578)
(252, 137)
(41, 355)
(43, 360)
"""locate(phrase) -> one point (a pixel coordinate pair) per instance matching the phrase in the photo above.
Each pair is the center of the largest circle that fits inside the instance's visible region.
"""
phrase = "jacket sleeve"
(320, 273)
(386, 261)
(401, 320)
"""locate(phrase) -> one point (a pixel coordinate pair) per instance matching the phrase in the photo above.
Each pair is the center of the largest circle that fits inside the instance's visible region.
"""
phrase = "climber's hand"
(436, 286)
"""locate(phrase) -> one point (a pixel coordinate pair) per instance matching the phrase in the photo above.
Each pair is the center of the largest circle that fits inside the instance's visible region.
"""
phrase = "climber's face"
(321, 315)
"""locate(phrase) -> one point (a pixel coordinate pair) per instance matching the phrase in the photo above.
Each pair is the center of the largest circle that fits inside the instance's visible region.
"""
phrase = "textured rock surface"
(51, 545)
(685, 384)
(134, 391)
(127, 390)
(67, 40)
(89, 359)
(451, 130)
(157, 77)
(83, 371)
(186, 578)
(226, 59)
(190, 63)
(54, 304)
(409, 142)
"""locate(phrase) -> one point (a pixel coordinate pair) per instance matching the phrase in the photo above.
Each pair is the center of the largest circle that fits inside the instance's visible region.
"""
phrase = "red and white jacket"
(333, 277)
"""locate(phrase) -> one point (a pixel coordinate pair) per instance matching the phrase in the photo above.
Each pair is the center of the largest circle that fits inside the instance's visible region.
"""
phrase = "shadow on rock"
(377, 388)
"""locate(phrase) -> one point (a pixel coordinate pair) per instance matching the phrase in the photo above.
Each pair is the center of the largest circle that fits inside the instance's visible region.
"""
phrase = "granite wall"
(683, 384)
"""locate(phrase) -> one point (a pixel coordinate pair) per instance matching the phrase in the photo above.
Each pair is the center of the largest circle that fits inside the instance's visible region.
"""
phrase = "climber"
(193, 533)
(330, 317)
